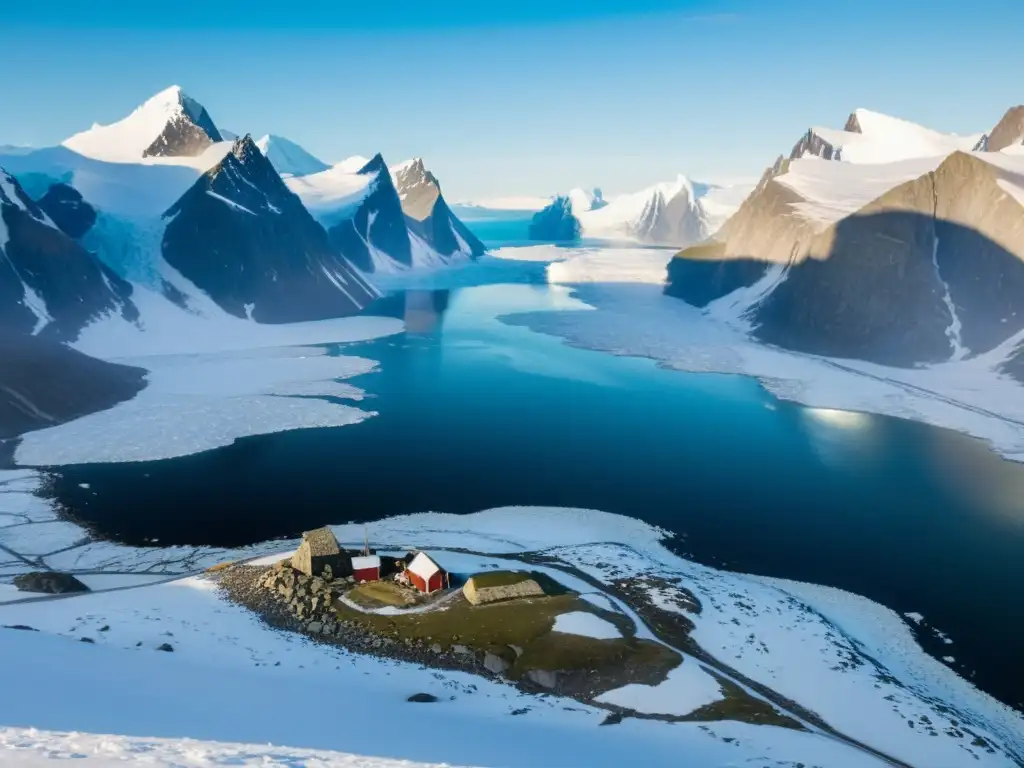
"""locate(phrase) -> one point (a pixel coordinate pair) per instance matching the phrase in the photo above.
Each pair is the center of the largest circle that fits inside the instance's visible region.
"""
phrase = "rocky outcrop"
(812, 143)
(1009, 131)
(246, 240)
(49, 284)
(932, 269)
(428, 214)
(49, 582)
(44, 383)
(68, 210)
(556, 222)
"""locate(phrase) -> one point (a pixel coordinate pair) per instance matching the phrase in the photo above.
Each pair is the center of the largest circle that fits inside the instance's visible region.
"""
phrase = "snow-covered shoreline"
(800, 637)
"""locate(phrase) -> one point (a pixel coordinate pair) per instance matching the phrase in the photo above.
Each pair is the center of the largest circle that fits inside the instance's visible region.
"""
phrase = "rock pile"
(309, 599)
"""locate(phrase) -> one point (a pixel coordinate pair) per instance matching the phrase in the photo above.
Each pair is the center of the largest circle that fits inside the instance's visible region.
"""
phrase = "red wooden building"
(366, 568)
(426, 575)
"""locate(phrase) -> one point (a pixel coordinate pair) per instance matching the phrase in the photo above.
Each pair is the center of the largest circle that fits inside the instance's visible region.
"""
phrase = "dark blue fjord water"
(475, 413)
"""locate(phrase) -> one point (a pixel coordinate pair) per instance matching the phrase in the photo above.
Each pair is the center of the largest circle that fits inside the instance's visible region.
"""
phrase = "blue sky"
(525, 97)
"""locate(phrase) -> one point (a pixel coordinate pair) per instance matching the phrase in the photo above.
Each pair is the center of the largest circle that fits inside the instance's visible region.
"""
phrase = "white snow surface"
(193, 403)
(687, 688)
(126, 140)
(886, 139)
(143, 188)
(220, 650)
(834, 190)
(337, 188)
(29, 747)
(288, 158)
(587, 625)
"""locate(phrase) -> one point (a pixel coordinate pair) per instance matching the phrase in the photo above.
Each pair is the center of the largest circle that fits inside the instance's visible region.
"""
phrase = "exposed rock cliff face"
(812, 143)
(66, 208)
(49, 284)
(428, 215)
(1008, 132)
(246, 240)
(931, 269)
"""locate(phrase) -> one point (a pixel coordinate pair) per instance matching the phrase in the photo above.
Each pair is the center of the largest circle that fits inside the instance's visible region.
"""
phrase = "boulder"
(49, 582)
(314, 627)
(545, 678)
(166, 647)
(422, 698)
(495, 664)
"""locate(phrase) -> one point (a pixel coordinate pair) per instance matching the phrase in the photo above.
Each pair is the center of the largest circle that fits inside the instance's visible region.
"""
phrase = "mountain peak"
(375, 165)
(1009, 131)
(168, 124)
(244, 149)
(288, 157)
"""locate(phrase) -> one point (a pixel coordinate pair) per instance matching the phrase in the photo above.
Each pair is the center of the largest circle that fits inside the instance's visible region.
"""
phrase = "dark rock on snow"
(68, 210)
(49, 582)
(422, 698)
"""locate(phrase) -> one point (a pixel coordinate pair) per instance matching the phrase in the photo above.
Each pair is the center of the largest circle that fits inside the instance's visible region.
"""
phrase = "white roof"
(365, 561)
(423, 566)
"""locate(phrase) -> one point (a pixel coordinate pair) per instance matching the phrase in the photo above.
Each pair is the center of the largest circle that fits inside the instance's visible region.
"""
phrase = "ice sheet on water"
(197, 402)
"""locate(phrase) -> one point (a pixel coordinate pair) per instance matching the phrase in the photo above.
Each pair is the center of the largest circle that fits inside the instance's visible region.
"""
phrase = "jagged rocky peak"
(853, 123)
(246, 177)
(189, 129)
(418, 188)
(1008, 132)
(813, 144)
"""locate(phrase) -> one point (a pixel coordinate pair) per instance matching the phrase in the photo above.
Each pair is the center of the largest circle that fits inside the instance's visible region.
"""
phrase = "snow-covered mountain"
(675, 213)
(243, 238)
(911, 260)
(170, 124)
(288, 157)
(871, 137)
(357, 203)
(386, 219)
(428, 214)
